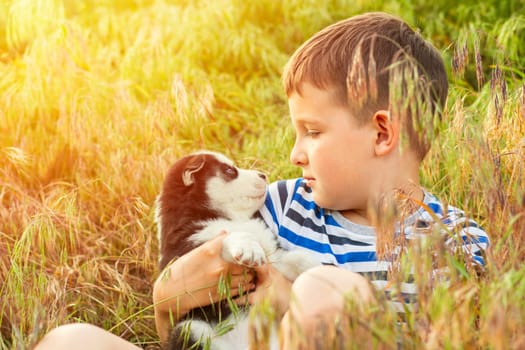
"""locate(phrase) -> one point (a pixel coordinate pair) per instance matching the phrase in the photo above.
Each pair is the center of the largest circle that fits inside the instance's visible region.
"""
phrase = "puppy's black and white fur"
(202, 195)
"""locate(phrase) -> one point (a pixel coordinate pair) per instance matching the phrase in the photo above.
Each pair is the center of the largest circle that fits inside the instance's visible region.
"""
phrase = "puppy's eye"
(229, 171)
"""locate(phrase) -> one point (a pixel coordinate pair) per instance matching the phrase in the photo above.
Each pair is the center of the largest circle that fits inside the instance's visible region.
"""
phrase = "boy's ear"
(387, 132)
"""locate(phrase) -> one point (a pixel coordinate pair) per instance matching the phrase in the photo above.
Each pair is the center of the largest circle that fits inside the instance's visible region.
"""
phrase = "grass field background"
(98, 97)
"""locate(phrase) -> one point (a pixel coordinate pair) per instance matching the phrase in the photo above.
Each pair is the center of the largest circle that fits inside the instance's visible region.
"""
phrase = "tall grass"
(97, 98)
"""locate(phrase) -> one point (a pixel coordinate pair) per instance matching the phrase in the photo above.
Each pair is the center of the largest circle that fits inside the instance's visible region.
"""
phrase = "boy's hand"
(191, 281)
(272, 285)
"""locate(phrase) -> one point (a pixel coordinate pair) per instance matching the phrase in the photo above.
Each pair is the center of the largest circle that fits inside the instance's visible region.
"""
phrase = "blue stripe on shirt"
(325, 248)
(470, 239)
(436, 208)
(479, 260)
(300, 220)
(269, 206)
(303, 202)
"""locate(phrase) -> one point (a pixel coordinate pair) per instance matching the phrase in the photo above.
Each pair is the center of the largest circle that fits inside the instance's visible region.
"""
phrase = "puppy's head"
(236, 193)
(203, 186)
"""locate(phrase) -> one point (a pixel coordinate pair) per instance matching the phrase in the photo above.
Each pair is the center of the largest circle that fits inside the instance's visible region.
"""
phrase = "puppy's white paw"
(240, 248)
(292, 263)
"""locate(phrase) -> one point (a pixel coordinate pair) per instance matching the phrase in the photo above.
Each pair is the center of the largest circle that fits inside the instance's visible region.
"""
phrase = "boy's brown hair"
(372, 62)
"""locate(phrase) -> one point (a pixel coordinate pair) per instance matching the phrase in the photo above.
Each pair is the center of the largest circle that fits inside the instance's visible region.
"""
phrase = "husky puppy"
(203, 194)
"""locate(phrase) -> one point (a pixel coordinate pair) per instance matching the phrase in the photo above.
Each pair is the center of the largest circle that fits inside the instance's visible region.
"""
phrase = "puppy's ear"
(193, 166)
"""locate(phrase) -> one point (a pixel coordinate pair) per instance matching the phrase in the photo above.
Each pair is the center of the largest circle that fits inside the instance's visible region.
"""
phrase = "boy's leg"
(80, 336)
(316, 316)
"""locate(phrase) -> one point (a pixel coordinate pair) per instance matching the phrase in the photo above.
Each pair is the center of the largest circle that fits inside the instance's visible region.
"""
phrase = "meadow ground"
(98, 97)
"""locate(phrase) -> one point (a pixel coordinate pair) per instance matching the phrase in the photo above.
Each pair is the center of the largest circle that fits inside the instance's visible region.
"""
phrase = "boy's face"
(335, 152)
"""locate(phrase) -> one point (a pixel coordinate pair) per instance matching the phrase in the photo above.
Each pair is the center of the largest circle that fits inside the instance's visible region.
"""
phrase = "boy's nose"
(298, 157)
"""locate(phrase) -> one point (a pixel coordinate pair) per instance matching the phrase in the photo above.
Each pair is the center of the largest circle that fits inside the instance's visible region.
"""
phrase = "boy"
(363, 97)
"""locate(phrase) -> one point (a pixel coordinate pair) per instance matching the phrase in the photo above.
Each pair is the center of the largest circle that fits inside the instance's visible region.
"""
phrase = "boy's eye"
(312, 132)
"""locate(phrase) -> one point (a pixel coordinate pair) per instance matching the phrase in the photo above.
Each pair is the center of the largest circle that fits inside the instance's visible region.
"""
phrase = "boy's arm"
(191, 281)
(466, 235)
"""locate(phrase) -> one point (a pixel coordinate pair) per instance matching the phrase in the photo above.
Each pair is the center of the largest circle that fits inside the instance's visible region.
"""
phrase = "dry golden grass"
(97, 98)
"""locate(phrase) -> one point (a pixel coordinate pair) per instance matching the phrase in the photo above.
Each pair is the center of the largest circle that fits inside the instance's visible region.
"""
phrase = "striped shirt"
(299, 223)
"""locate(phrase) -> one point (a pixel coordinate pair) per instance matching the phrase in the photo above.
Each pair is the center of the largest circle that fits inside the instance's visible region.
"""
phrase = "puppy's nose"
(263, 176)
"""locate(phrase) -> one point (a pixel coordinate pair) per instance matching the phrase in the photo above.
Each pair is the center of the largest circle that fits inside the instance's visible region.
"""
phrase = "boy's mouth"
(309, 181)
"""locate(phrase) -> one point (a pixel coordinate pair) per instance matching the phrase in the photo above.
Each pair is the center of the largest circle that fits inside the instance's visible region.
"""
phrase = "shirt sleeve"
(467, 235)
(278, 196)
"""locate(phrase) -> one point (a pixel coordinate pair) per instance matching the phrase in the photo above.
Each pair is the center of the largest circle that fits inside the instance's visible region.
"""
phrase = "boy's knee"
(325, 289)
(321, 295)
(64, 337)
(320, 298)
(82, 336)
